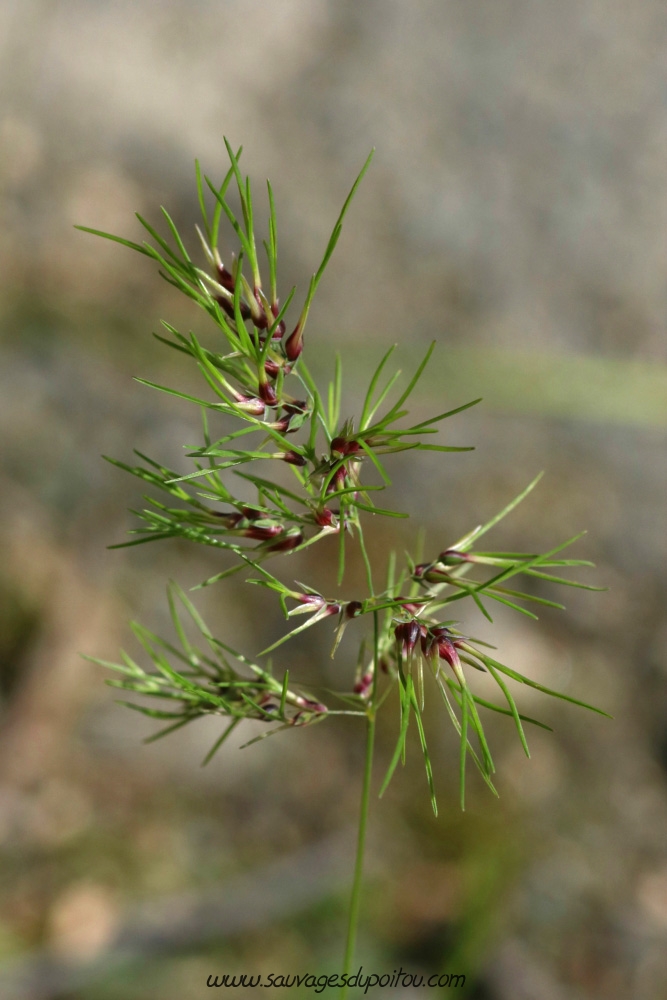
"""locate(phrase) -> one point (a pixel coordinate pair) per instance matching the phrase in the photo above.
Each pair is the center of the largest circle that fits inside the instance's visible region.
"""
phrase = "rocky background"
(516, 212)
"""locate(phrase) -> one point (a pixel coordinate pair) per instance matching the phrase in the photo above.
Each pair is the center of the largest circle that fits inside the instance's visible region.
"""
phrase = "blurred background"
(516, 212)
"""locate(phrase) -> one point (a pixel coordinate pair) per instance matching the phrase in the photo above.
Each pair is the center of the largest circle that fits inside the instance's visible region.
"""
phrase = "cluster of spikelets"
(257, 377)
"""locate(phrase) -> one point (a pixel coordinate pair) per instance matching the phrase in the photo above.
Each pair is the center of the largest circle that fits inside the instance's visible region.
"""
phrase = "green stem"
(355, 900)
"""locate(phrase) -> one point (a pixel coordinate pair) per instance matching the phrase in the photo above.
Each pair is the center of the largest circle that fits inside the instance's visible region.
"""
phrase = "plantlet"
(256, 374)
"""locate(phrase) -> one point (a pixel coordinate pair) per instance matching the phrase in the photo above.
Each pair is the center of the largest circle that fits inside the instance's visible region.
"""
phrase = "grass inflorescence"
(258, 377)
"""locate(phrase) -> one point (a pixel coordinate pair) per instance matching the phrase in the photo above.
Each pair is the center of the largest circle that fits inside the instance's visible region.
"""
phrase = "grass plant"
(257, 375)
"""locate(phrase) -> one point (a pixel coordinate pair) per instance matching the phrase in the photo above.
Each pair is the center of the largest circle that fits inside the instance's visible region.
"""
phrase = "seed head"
(338, 481)
(296, 406)
(326, 518)
(429, 573)
(259, 308)
(268, 393)
(279, 331)
(413, 607)
(286, 544)
(429, 644)
(452, 557)
(225, 277)
(447, 651)
(294, 343)
(407, 634)
(341, 446)
(292, 458)
(251, 404)
(312, 706)
(262, 532)
(314, 600)
(364, 685)
(272, 367)
(308, 707)
(251, 513)
(282, 425)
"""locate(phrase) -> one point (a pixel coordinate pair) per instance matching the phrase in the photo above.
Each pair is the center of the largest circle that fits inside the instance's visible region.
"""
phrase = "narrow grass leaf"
(221, 739)
(116, 239)
(464, 543)
(170, 729)
(425, 753)
(412, 383)
(375, 460)
(444, 416)
(538, 687)
(400, 745)
(552, 578)
(365, 411)
(512, 706)
(463, 751)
